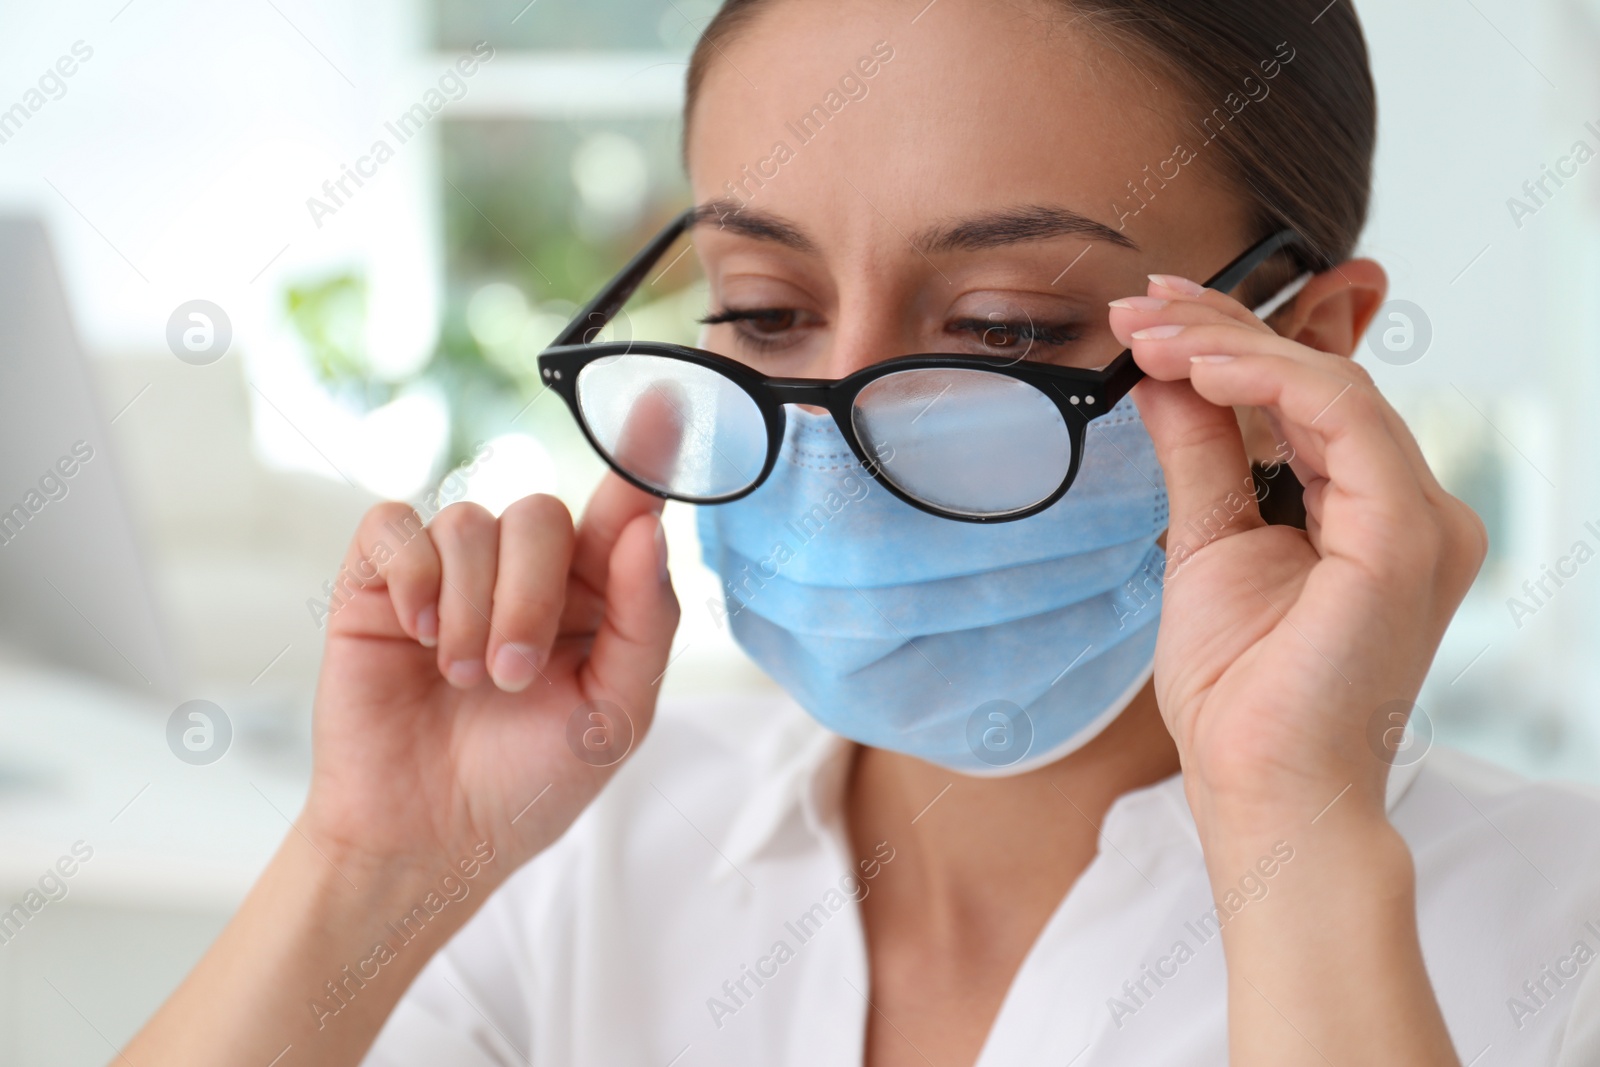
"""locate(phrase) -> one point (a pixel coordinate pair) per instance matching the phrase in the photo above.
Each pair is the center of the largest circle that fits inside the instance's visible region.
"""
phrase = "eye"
(999, 335)
(761, 328)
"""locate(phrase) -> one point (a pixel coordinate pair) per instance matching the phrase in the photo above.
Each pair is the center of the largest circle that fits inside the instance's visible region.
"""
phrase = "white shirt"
(700, 914)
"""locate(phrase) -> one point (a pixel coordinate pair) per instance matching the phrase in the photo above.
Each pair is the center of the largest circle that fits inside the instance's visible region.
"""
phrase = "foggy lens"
(676, 426)
(968, 441)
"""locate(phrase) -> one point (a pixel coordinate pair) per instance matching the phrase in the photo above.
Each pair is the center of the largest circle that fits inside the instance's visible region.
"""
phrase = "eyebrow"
(1034, 222)
(991, 229)
(731, 214)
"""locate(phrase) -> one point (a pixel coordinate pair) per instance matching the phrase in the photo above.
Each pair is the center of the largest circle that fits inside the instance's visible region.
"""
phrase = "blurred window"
(542, 200)
(594, 25)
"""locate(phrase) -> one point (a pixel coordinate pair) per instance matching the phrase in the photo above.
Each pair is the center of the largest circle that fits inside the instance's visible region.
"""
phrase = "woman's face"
(957, 183)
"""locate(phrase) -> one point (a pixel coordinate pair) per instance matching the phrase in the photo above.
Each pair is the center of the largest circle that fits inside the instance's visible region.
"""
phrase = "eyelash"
(741, 315)
(1029, 333)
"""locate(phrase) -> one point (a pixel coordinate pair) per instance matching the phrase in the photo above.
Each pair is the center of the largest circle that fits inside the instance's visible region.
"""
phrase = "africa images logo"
(1537, 193)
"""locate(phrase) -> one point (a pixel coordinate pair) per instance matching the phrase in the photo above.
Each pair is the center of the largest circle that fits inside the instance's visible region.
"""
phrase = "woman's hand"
(477, 665)
(1278, 651)
(481, 679)
(1279, 646)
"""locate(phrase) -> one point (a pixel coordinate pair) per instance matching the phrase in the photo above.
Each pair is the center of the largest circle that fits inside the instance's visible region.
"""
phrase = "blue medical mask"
(986, 649)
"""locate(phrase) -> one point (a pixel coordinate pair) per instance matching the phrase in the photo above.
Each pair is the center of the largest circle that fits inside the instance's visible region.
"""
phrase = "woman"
(1097, 810)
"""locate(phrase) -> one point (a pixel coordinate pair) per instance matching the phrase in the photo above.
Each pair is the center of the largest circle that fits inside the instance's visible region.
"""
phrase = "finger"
(467, 539)
(652, 433)
(1177, 301)
(614, 504)
(530, 584)
(1165, 334)
(1130, 314)
(1302, 471)
(1210, 492)
(1172, 305)
(630, 649)
(1173, 287)
(391, 554)
(1314, 501)
(1336, 426)
(1163, 354)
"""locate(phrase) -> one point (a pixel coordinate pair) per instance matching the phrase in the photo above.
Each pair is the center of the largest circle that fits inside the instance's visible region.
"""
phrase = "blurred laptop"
(74, 591)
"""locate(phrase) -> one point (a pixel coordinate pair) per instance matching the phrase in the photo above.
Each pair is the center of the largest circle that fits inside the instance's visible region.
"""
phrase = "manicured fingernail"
(428, 626)
(515, 666)
(1140, 303)
(464, 673)
(1210, 359)
(1158, 333)
(661, 549)
(1178, 284)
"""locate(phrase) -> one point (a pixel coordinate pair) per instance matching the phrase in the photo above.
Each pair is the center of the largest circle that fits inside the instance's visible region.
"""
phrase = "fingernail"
(1140, 303)
(1158, 333)
(661, 549)
(1178, 284)
(1210, 359)
(515, 666)
(428, 626)
(464, 673)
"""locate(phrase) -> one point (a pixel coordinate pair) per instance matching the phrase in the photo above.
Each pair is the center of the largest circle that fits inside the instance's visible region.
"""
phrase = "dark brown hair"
(1302, 155)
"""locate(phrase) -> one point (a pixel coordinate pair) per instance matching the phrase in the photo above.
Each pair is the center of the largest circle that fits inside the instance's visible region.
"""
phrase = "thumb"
(1210, 491)
(629, 654)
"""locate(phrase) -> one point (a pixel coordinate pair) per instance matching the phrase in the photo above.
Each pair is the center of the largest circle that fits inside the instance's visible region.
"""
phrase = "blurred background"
(237, 321)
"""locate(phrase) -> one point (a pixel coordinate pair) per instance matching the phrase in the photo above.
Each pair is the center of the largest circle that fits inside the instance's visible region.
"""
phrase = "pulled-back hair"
(1303, 161)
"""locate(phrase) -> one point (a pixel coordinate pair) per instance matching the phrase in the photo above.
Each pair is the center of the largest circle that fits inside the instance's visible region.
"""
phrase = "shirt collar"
(800, 770)
(802, 767)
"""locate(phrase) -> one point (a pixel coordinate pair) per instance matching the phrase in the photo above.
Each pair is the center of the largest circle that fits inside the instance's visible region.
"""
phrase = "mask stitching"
(845, 460)
(798, 452)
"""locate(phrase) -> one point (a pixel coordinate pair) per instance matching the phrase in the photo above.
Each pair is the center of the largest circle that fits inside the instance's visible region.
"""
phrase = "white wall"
(1474, 100)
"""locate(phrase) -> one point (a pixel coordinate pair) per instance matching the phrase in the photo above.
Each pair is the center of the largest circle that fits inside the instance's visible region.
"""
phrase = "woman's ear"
(1335, 308)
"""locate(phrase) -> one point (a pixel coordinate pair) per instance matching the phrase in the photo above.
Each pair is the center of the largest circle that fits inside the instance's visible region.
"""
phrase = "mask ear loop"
(1283, 296)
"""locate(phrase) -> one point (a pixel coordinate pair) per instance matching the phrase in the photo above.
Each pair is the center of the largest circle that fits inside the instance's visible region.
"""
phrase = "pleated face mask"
(987, 649)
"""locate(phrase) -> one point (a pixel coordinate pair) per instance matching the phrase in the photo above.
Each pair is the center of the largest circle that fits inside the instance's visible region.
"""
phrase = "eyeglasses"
(942, 432)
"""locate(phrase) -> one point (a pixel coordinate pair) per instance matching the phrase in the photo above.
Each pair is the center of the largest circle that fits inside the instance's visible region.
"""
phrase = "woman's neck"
(962, 844)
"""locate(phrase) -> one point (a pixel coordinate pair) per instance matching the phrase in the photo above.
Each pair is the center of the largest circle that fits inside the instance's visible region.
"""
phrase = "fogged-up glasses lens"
(970, 442)
(675, 426)
(965, 441)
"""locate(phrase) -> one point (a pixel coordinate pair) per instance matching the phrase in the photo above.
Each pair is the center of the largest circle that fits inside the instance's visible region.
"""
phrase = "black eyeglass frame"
(1081, 395)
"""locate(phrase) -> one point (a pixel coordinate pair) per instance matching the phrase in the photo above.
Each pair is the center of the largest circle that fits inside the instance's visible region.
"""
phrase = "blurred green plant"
(536, 214)
(330, 317)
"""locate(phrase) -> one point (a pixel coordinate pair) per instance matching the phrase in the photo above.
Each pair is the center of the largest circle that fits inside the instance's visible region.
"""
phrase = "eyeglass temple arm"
(1123, 373)
(610, 299)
